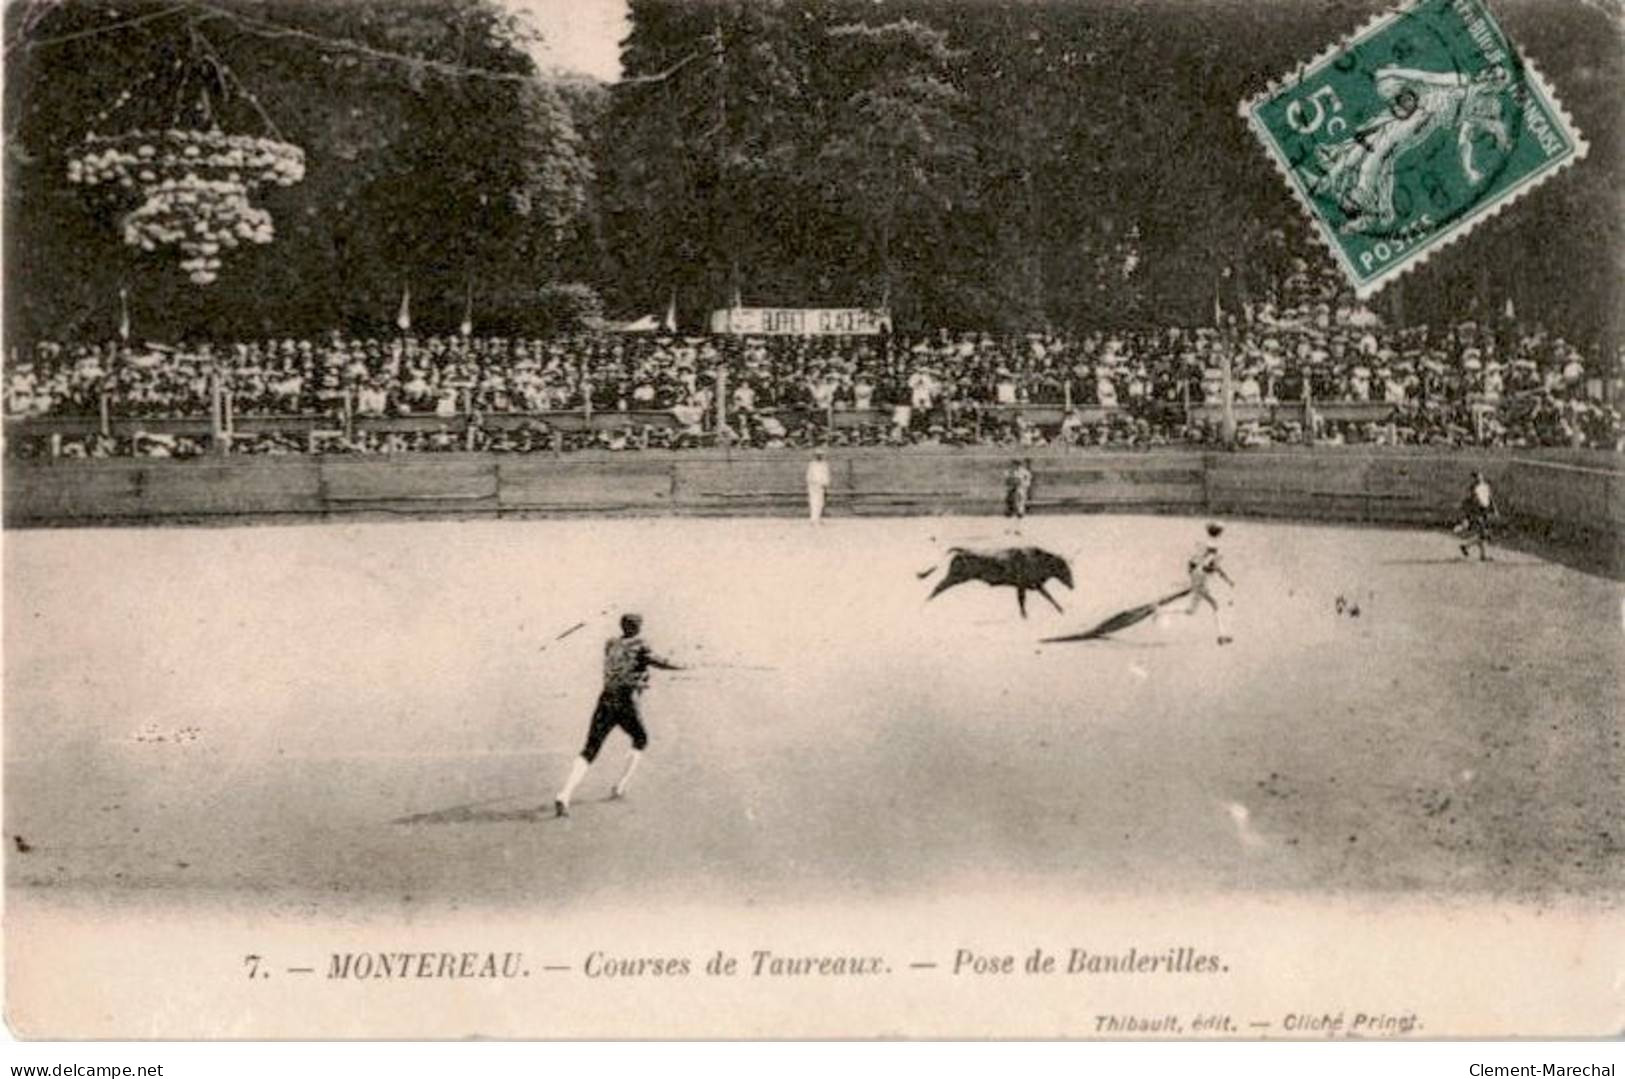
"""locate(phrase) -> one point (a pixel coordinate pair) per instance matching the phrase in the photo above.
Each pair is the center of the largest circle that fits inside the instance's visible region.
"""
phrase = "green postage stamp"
(1402, 138)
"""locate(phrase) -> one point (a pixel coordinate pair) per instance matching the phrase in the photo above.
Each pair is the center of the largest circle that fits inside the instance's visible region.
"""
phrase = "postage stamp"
(1407, 135)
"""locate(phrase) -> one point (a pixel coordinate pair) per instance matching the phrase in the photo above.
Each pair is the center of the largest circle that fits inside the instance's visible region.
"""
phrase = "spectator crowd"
(1492, 382)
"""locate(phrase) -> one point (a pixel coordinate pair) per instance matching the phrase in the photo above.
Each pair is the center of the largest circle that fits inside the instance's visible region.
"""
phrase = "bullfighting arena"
(328, 721)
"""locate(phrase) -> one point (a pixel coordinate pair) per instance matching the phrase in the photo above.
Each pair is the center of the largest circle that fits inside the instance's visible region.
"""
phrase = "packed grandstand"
(1319, 369)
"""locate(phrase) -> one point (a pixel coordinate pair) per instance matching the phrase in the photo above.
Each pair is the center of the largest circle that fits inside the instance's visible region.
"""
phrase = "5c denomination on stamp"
(1403, 138)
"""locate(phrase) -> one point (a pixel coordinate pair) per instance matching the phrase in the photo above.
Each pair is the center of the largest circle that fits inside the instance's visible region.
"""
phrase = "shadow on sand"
(487, 812)
(481, 813)
(1495, 560)
(1595, 553)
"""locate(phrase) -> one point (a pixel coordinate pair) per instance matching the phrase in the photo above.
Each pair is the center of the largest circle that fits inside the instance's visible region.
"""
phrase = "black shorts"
(616, 708)
(1015, 504)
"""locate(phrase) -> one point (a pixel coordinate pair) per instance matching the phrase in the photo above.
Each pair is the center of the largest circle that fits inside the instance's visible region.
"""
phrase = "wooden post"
(1066, 394)
(586, 399)
(1308, 408)
(217, 439)
(105, 407)
(231, 413)
(722, 400)
(558, 443)
(1227, 396)
(349, 416)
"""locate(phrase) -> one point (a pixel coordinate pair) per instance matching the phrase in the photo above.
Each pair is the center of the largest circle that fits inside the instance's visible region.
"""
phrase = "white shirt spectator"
(823, 391)
(818, 475)
(922, 389)
(689, 415)
(371, 401)
(1212, 386)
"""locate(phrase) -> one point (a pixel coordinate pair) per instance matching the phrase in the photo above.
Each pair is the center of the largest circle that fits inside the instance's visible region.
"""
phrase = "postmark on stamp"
(1407, 135)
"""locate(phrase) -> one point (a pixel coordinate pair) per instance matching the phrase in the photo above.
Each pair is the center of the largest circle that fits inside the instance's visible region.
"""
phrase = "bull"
(1026, 569)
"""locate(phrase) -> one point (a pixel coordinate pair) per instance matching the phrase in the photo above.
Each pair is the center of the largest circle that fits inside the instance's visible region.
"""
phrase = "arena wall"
(1571, 497)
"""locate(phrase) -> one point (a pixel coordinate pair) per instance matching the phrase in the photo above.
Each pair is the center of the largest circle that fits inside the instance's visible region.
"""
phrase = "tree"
(434, 155)
(894, 153)
(704, 164)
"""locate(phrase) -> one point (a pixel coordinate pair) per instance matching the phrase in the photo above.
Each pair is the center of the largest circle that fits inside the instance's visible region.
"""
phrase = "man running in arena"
(1479, 514)
(627, 660)
(1202, 564)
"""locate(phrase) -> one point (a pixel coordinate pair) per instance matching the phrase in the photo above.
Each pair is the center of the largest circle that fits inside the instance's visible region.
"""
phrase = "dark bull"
(1026, 569)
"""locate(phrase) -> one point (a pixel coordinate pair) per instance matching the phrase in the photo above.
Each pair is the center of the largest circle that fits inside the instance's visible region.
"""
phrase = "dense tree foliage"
(1076, 163)
(999, 164)
(418, 174)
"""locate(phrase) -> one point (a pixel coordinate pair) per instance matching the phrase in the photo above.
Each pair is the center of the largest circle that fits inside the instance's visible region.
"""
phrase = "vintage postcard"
(781, 520)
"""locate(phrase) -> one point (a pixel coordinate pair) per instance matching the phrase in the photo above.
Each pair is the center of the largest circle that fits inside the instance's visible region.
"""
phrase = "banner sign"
(803, 321)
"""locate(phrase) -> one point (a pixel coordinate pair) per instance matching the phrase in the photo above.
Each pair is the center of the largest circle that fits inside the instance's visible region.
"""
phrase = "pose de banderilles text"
(627, 661)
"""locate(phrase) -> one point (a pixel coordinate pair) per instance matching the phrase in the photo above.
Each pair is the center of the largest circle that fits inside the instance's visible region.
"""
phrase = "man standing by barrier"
(1479, 514)
(817, 486)
(1018, 489)
(627, 660)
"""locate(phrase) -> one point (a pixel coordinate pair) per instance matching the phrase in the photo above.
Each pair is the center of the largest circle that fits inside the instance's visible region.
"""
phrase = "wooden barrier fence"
(1579, 497)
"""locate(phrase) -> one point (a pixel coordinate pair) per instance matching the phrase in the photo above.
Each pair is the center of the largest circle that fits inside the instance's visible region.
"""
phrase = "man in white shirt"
(1249, 392)
(863, 393)
(1480, 511)
(822, 390)
(1202, 564)
(817, 486)
(1006, 388)
(371, 399)
(922, 390)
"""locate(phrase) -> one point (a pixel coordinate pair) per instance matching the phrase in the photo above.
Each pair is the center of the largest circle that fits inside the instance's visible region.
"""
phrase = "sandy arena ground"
(370, 715)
